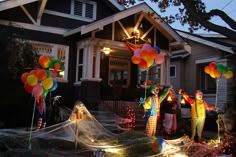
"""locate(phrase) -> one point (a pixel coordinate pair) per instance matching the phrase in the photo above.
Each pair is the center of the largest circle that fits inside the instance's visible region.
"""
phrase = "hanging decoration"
(40, 81)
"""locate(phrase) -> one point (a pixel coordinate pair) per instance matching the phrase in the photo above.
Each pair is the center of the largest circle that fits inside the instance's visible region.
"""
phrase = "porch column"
(90, 62)
(97, 63)
(165, 69)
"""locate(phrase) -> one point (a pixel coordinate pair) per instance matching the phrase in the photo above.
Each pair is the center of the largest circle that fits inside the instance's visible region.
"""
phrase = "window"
(119, 72)
(79, 68)
(152, 74)
(172, 71)
(207, 83)
(84, 8)
(54, 51)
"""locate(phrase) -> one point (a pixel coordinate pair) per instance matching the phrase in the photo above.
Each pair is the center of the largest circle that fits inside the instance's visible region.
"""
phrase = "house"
(190, 74)
(80, 32)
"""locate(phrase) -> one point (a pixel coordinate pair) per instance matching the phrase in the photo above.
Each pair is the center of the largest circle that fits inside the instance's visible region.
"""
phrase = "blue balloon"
(158, 49)
(54, 86)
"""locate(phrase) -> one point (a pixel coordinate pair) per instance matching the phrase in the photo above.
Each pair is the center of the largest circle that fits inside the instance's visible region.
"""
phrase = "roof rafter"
(14, 3)
(42, 5)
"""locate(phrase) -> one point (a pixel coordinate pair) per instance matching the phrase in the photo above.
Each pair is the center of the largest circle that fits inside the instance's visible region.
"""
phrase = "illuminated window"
(54, 51)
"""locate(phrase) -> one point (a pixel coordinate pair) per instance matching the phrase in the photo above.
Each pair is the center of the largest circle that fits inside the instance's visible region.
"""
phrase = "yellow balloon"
(32, 80)
(47, 83)
(228, 74)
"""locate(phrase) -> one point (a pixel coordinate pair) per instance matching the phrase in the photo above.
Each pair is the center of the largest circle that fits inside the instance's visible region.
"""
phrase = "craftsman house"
(92, 38)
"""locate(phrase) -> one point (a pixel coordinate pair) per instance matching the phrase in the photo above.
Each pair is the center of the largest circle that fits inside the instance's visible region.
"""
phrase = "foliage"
(195, 14)
(16, 56)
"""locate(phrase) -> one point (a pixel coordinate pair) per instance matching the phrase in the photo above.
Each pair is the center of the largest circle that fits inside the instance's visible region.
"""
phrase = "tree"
(193, 13)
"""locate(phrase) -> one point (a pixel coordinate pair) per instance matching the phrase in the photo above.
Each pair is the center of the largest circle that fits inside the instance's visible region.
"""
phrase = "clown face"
(156, 91)
(199, 95)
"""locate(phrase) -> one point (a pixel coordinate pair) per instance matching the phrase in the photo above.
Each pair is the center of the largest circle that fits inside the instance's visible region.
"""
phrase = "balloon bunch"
(146, 56)
(40, 81)
(217, 70)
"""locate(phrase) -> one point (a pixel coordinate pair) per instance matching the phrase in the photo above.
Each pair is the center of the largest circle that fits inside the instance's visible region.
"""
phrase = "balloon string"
(31, 128)
(146, 84)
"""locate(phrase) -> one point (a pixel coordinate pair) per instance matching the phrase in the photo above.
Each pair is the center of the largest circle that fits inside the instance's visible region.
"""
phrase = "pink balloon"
(159, 59)
(37, 90)
(137, 52)
(147, 46)
(53, 74)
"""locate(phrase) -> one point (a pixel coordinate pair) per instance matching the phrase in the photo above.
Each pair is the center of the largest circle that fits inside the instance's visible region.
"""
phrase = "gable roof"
(144, 8)
(210, 41)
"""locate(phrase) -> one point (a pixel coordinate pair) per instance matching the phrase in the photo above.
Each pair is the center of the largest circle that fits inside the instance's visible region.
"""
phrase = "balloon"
(207, 69)
(159, 59)
(44, 61)
(54, 87)
(212, 65)
(141, 69)
(143, 64)
(221, 68)
(45, 92)
(28, 88)
(24, 77)
(212, 74)
(216, 73)
(153, 53)
(42, 75)
(146, 46)
(232, 69)
(37, 90)
(149, 62)
(158, 49)
(135, 59)
(228, 74)
(47, 83)
(57, 66)
(53, 74)
(144, 54)
(137, 52)
(32, 80)
(62, 67)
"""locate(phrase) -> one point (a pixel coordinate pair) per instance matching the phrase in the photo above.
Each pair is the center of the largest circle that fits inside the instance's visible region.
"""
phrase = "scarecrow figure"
(152, 109)
(40, 112)
(77, 115)
(198, 112)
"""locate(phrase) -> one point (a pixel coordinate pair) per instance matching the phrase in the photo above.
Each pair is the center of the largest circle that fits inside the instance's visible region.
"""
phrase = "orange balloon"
(217, 73)
(212, 74)
(135, 59)
(44, 61)
(207, 70)
(57, 66)
(42, 75)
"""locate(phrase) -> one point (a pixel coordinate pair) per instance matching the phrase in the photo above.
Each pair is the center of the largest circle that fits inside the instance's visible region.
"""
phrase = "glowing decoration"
(182, 101)
(169, 98)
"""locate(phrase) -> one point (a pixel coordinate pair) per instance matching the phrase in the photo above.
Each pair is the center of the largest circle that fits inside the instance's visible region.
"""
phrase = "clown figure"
(198, 112)
(152, 110)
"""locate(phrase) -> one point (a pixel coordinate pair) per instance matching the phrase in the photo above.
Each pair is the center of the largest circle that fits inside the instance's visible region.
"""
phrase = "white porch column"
(165, 69)
(97, 63)
(90, 62)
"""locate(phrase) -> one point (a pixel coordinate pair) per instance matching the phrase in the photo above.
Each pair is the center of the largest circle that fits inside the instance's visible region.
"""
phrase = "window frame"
(78, 65)
(54, 54)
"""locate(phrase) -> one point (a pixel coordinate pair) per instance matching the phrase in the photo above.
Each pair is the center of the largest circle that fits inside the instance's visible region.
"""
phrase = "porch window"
(80, 65)
(84, 8)
(207, 83)
(119, 72)
(172, 71)
(54, 51)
